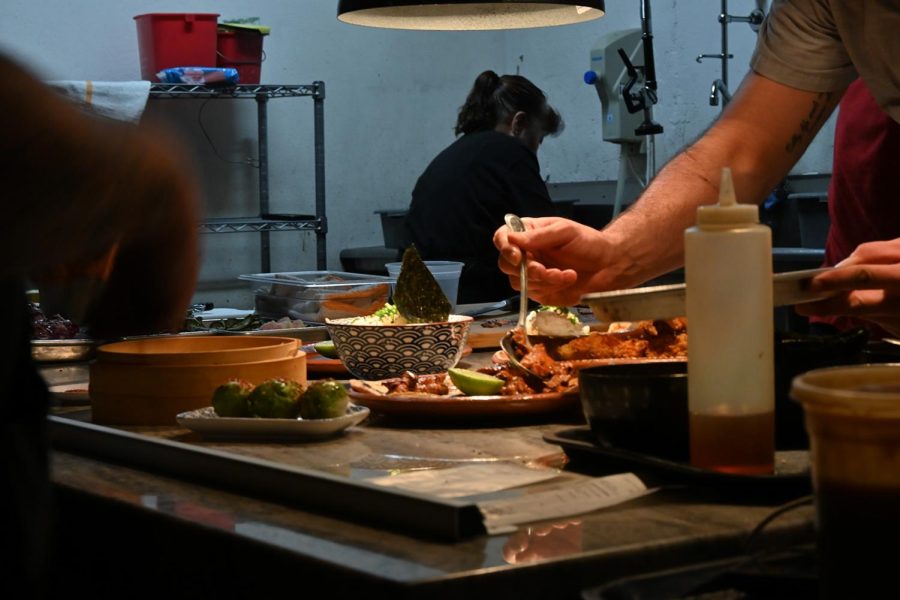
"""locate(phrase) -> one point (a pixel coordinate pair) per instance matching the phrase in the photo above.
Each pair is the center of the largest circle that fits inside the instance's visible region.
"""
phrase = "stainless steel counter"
(196, 533)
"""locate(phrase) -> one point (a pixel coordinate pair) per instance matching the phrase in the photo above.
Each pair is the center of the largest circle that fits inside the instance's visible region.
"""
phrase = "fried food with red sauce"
(422, 384)
(647, 339)
(562, 378)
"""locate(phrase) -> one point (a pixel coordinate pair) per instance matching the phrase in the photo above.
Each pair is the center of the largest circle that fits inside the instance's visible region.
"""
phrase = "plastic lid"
(262, 29)
(728, 211)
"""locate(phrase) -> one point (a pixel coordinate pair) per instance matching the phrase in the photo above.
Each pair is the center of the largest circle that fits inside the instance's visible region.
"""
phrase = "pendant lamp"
(456, 15)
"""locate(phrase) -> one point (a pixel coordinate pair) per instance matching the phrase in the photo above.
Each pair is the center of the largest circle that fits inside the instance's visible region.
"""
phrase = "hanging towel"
(122, 100)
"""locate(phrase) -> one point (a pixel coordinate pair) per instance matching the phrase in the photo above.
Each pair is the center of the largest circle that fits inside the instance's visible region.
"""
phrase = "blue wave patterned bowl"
(382, 351)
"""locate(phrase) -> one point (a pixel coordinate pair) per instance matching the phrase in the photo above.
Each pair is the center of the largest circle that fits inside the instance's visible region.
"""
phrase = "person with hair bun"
(490, 169)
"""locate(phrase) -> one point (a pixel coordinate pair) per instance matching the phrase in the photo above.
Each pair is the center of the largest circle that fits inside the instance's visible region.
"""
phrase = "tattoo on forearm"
(818, 112)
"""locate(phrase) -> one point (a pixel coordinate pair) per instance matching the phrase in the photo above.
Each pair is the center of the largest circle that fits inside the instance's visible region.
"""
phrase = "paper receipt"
(466, 481)
(502, 516)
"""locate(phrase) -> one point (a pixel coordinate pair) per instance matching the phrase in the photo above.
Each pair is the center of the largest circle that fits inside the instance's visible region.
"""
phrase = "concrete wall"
(391, 103)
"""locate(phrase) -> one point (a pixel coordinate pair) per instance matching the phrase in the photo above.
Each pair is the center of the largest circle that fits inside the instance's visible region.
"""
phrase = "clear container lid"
(317, 279)
(320, 285)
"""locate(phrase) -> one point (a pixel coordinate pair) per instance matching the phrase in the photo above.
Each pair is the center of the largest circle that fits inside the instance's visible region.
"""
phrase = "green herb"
(417, 294)
(387, 312)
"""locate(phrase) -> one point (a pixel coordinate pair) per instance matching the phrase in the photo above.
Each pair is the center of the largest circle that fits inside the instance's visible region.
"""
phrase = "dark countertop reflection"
(105, 504)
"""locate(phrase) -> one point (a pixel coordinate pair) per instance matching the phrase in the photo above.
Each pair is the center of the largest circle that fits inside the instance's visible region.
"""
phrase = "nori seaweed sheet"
(417, 295)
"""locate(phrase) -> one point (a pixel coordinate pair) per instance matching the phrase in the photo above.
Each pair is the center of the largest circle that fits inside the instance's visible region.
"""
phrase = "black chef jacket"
(460, 200)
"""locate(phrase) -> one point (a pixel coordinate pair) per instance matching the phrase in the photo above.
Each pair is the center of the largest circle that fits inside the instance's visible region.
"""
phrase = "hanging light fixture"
(455, 15)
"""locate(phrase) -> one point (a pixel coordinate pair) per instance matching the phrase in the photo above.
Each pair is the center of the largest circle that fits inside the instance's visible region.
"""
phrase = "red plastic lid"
(185, 16)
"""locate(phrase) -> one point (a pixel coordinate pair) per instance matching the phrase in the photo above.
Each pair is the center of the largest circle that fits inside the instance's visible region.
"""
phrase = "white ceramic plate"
(206, 422)
(418, 404)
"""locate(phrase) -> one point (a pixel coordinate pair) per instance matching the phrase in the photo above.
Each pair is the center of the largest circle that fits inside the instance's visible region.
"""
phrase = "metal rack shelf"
(266, 222)
(185, 90)
(259, 224)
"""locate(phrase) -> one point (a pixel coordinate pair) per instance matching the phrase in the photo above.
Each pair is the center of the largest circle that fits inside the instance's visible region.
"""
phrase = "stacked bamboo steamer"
(150, 381)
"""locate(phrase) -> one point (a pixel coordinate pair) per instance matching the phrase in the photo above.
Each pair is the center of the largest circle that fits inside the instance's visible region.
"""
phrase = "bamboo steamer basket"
(198, 350)
(126, 391)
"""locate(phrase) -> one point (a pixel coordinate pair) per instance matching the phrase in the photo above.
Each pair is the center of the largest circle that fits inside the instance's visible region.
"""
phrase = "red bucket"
(175, 40)
(241, 49)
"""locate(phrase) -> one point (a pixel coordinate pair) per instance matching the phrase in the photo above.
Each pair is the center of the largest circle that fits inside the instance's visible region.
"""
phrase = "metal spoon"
(515, 224)
(506, 344)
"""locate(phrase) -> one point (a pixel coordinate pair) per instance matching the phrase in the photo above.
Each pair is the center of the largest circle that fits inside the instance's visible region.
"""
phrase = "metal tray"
(668, 301)
(443, 519)
(82, 349)
(71, 350)
(317, 333)
(791, 475)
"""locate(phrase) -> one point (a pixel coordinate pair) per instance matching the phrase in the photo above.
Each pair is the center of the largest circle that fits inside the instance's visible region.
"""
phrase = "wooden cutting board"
(485, 333)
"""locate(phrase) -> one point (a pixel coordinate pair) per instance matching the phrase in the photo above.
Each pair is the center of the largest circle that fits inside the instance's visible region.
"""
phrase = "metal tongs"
(506, 342)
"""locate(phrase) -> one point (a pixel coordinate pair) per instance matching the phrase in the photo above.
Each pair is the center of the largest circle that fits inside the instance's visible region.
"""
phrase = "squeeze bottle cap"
(728, 211)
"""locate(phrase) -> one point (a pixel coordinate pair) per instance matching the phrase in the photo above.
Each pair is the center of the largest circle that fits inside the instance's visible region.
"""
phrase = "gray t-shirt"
(822, 45)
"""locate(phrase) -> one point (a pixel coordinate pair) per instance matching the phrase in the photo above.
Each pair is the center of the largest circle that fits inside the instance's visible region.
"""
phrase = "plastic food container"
(314, 296)
(445, 272)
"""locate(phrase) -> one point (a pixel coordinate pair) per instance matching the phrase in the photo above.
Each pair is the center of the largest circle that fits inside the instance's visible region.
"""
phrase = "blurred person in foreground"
(82, 196)
(808, 53)
(490, 170)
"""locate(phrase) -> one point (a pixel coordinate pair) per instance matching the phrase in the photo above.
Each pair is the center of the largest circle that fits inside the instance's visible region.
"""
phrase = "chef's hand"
(869, 284)
(565, 259)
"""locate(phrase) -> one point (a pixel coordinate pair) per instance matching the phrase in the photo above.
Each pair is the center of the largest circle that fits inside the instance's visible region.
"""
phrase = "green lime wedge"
(473, 383)
(326, 349)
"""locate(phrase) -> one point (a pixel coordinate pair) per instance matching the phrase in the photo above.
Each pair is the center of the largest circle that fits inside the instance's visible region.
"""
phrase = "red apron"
(864, 193)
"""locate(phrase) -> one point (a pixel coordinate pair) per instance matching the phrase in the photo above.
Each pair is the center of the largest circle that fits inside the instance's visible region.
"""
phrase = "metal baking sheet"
(316, 333)
(791, 477)
(71, 350)
(417, 514)
(668, 301)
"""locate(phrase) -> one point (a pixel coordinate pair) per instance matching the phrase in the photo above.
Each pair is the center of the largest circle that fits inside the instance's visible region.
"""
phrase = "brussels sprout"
(230, 398)
(276, 399)
(324, 399)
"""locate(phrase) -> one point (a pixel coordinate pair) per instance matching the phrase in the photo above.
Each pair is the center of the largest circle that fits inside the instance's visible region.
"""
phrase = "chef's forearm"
(765, 130)
(648, 236)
